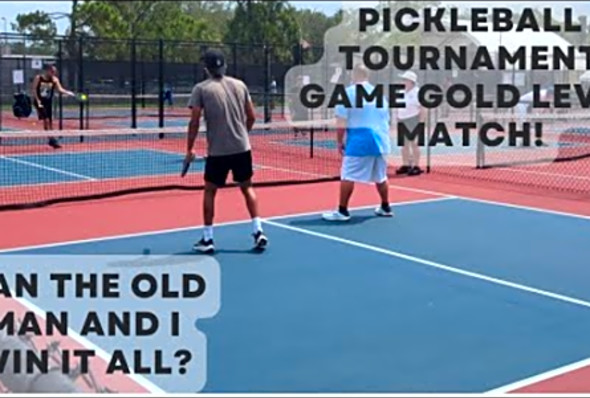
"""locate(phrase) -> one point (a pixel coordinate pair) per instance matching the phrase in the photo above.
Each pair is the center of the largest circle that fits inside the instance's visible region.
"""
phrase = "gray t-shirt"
(224, 105)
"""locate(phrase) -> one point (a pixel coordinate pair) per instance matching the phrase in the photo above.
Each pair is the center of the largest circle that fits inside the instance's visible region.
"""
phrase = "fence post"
(81, 80)
(161, 83)
(267, 80)
(60, 68)
(2, 94)
(133, 85)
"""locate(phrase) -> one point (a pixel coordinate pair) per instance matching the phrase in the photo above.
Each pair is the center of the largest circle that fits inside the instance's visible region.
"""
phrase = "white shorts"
(365, 169)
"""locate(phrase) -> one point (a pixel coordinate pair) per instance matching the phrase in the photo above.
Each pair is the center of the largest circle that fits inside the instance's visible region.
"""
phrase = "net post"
(142, 78)
(2, 81)
(87, 92)
(267, 79)
(428, 129)
(480, 156)
(311, 140)
(60, 106)
(81, 80)
(23, 66)
(161, 83)
(428, 138)
(133, 84)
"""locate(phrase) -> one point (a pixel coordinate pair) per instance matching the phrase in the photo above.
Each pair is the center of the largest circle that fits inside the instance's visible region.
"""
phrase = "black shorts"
(45, 113)
(217, 168)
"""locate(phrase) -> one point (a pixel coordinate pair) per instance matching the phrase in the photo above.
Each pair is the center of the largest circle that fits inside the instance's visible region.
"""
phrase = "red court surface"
(175, 210)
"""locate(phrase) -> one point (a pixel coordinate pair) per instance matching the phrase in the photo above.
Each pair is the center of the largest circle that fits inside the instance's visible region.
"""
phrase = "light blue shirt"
(367, 128)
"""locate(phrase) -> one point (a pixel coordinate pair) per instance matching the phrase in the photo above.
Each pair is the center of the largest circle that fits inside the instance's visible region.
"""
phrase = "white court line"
(497, 281)
(40, 166)
(441, 197)
(539, 378)
(492, 202)
(433, 264)
(141, 380)
(193, 228)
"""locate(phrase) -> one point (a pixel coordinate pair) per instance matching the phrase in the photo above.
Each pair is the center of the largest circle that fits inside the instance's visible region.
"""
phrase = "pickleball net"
(94, 164)
(560, 164)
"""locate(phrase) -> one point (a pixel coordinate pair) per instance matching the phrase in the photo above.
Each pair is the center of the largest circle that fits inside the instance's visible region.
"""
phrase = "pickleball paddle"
(186, 165)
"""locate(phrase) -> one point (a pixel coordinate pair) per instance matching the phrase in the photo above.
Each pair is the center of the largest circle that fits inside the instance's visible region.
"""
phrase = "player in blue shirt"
(366, 131)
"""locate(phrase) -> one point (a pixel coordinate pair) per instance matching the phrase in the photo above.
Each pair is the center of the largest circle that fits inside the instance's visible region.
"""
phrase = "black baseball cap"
(214, 60)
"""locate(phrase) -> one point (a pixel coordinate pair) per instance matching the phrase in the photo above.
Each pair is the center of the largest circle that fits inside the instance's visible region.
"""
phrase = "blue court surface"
(89, 166)
(451, 295)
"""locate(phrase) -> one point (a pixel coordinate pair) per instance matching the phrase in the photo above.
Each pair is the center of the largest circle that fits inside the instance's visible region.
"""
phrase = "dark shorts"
(217, 168)
(45, 113)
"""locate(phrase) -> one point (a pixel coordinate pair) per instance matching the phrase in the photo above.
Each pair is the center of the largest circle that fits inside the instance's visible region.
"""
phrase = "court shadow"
(223, 251)
(319, 222)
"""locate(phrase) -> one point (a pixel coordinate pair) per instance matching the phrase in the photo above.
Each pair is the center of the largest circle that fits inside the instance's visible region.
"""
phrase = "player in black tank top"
(44, 87)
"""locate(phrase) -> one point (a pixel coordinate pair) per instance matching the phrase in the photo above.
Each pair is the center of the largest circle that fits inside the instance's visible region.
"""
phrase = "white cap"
(409, 75)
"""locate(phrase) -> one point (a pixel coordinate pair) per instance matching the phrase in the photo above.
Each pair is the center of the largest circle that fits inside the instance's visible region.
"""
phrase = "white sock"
(256, 224)
(208, 232)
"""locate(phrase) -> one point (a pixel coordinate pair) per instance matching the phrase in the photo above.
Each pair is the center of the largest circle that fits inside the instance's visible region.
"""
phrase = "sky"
(10, 9)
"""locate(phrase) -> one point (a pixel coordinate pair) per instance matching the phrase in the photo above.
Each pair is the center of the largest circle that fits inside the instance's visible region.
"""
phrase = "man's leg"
(206, 245)
(209, 206)
(243, 170)
(215, 176)
(415, 149)
(346, 190)
(382, 185)
(383, 190)
(48, 125)
(406, 160)
(260, 240)
(353, 169)
(251, 198)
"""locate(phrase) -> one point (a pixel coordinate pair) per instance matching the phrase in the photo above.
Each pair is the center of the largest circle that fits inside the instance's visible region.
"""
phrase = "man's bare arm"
(60, 88)
(193, 128)
(340, 131)
(34, 90)
(250, 115)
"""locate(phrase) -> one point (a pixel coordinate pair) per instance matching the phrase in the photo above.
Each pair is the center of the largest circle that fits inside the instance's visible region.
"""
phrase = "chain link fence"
(140, 83)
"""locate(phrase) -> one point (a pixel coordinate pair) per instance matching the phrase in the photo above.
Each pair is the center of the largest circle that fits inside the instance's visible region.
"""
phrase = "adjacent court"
(451, 295)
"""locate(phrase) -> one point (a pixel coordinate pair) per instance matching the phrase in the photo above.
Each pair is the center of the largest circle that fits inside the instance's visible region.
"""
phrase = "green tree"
(41, 31)
(314, 25)
(139, 20)
(257, 23)
(215, 14)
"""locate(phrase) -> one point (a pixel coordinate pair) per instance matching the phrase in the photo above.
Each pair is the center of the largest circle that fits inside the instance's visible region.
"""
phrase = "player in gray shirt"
(229, 114)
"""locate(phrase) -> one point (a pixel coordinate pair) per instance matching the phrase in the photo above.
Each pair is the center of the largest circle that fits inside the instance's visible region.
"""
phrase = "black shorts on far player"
(45, 112)
(217, 168)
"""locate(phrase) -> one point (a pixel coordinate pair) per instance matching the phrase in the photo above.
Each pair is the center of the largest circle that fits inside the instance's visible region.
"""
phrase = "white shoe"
(336, 216)
(204, 246)
(260, 241)
(380, 212)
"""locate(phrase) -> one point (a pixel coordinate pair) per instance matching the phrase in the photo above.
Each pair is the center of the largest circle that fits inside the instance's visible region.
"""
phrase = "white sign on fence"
(18, 76)
(37, 63)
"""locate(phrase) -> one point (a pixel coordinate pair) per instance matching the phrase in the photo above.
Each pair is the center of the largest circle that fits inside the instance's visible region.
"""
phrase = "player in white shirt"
(410, 115)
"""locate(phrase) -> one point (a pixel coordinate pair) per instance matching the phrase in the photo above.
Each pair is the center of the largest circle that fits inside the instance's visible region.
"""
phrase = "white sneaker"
(260, 241)
(204, 246)
(336, 216)
(380, 212)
